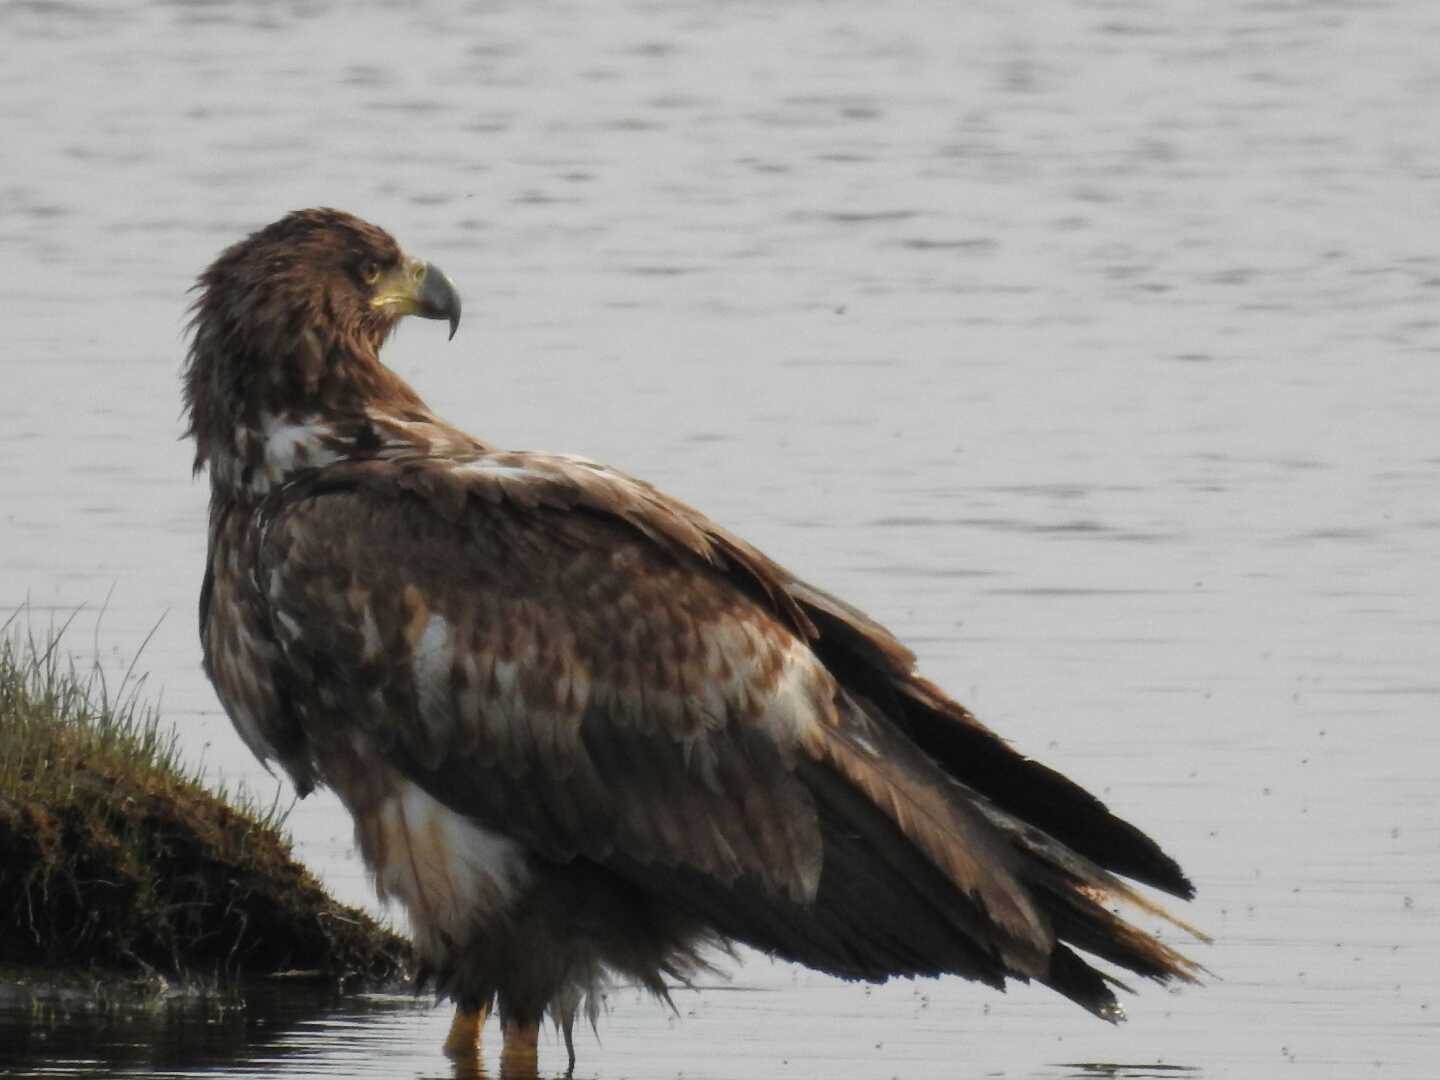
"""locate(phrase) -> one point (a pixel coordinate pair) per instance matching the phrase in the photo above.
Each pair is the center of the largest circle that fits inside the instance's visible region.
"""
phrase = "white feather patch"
(433, 662)
(495, 470)
(448, 872)
(371, 630)
(293, 444)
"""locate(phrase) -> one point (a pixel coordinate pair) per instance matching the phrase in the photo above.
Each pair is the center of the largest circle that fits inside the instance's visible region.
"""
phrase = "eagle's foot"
(520, 1056)
(463, 1042)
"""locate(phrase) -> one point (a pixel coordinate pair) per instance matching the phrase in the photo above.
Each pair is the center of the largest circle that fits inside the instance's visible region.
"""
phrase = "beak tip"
(438, 298)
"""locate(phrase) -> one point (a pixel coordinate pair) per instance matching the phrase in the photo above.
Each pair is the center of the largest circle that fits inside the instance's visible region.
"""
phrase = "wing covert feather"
(561, 677)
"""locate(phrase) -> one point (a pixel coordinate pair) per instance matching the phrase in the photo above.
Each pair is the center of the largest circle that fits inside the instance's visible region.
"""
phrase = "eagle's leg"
(520, 1055)
(463, 1042)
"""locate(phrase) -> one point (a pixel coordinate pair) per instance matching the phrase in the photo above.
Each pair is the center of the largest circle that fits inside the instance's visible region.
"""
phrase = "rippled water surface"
(1092, 346)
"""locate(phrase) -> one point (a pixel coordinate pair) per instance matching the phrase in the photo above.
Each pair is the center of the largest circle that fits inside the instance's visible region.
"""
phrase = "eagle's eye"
(370, 271)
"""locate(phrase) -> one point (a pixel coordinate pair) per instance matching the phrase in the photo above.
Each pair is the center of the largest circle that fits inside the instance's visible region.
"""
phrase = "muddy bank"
(122, 876)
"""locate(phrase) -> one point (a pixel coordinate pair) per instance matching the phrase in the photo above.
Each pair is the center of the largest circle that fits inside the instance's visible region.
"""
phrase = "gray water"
(1090, 345)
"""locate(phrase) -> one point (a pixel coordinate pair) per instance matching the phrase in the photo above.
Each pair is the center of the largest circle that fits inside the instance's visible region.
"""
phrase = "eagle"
(586, 734)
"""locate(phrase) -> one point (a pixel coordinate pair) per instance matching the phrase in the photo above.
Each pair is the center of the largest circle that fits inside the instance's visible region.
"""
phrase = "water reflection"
(285, 1032)
(1102, 1071)
(303, 1033)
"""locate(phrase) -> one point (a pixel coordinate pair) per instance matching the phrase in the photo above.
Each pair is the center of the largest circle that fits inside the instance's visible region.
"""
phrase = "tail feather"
(1082, 984)
(1096, 930)
(1034, 896)
(870, 662)
(1036, 793)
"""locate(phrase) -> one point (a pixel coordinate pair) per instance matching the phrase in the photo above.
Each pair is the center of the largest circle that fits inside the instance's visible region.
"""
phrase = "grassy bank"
(115, 857)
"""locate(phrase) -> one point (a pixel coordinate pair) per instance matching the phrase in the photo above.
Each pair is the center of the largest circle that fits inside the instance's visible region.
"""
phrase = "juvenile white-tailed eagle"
(583, 730)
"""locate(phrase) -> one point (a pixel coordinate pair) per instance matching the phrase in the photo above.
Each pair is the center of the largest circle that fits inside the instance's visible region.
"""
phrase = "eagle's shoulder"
(552, 499)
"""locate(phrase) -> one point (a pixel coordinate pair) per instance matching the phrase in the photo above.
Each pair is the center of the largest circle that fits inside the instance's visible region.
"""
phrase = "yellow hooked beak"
(416, 287)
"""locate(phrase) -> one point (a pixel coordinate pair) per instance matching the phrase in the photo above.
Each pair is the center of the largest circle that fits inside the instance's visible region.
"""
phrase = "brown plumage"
(582, 729)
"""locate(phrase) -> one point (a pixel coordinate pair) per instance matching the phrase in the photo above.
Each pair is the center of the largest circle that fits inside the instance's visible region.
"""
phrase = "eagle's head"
(290, 320)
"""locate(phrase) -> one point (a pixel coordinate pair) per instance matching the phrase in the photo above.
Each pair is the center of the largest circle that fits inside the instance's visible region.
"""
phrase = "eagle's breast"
(240, 652)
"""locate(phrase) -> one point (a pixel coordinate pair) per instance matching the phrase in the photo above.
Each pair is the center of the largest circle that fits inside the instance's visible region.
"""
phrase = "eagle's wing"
(592, 670)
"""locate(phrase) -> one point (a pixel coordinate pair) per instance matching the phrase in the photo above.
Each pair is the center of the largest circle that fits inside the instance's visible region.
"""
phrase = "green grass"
(114, 855)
